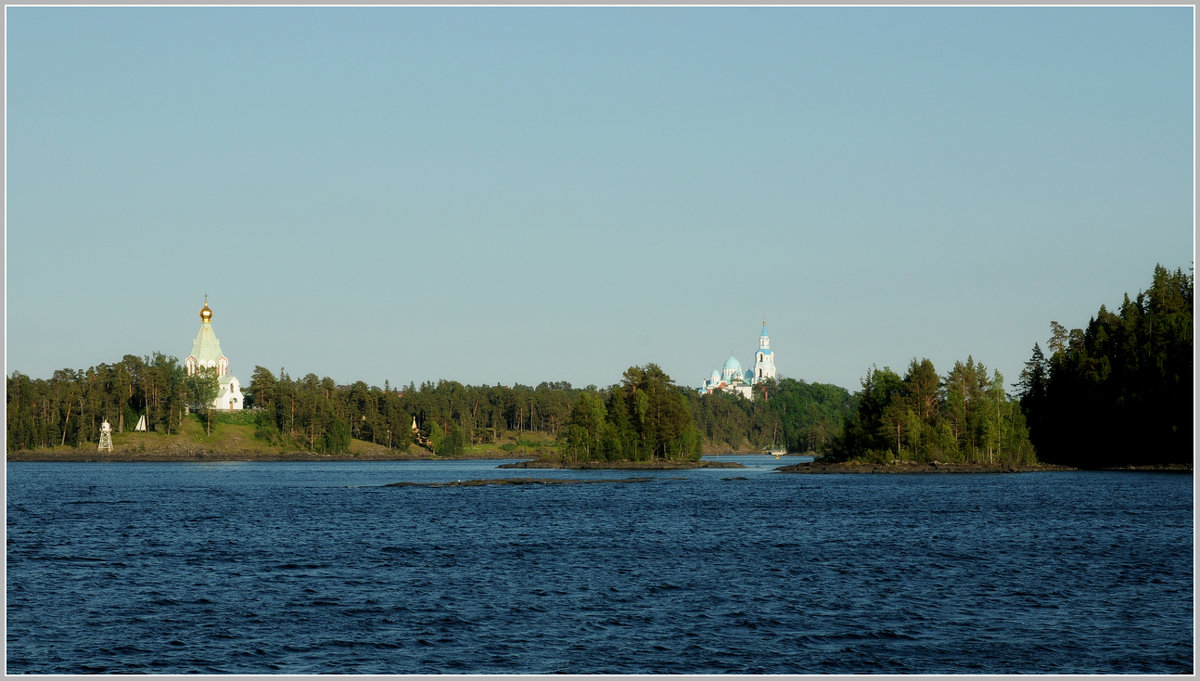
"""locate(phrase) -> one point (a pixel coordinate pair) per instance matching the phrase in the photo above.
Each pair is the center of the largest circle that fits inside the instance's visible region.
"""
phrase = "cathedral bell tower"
(764, 359)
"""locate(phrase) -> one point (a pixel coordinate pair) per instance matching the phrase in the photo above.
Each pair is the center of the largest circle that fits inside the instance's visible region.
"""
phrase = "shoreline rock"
(903, 467)
(177, 454)
(621, 465)
(513, 481)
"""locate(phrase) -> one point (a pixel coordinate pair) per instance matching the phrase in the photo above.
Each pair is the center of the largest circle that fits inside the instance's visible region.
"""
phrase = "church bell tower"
(764, 359)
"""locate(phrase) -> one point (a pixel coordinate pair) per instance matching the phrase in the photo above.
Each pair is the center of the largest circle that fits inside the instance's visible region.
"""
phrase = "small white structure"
(105, 437)
(141, 424)
(206, 352)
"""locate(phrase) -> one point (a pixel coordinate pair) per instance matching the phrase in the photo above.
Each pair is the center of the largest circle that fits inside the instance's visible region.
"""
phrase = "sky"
(518, 194)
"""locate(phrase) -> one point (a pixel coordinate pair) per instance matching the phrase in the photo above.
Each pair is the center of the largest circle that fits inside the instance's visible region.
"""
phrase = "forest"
(1118, 392)
(964, 417)
(645, 416)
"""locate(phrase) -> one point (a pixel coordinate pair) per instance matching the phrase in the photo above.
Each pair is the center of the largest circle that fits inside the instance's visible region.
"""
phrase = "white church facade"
(731, 378)
(206, 353)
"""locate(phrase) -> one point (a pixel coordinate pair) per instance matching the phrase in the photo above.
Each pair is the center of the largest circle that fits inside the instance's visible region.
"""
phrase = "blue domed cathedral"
(731, 378)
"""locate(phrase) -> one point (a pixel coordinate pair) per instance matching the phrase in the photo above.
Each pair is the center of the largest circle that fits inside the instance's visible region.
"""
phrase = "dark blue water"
(316, 567)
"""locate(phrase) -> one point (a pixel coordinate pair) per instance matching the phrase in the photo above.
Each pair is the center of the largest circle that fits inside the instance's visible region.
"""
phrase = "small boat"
(775, 445)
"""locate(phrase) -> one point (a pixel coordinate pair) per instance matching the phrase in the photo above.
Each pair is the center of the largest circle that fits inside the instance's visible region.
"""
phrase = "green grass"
(234, 432)
(237, 418)
(226, 436)
(517, 444)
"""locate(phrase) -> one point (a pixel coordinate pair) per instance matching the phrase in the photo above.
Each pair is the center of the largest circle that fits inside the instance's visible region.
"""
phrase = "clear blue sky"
(513, 195)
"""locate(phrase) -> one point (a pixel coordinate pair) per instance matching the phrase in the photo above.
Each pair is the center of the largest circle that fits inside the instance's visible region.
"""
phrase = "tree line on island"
(646, 416)
(1118, 392)
(965, 417)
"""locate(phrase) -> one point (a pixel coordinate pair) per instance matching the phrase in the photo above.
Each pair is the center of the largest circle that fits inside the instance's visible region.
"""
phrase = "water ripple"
(279, 572)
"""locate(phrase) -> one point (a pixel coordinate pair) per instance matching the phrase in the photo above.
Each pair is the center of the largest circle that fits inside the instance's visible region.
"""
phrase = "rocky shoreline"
(183, 454)
(914, 467)
(176, 453)
(514, 481)
(621, 465)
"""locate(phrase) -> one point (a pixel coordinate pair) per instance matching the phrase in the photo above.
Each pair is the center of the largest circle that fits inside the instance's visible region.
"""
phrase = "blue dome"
(716, 376)
(732, 364)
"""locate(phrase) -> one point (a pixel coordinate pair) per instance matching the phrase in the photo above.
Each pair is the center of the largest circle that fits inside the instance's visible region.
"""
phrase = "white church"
(206, 352)
(730, 377)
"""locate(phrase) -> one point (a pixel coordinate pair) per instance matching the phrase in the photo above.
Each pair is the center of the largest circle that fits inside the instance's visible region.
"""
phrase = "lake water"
(306, 567)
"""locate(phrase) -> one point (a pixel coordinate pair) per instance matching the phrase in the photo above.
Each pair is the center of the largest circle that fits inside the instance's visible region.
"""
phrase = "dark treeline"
(1119, 392)
(646, 416)
(964, 417)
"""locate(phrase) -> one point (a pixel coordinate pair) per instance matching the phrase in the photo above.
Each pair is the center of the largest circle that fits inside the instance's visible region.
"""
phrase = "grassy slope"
(233, 435)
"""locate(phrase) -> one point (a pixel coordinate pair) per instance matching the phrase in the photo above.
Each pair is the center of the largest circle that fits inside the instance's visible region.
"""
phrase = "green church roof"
(206, 348)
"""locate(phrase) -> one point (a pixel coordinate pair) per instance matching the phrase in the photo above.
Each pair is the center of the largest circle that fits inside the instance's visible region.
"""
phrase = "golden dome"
(206, 311)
